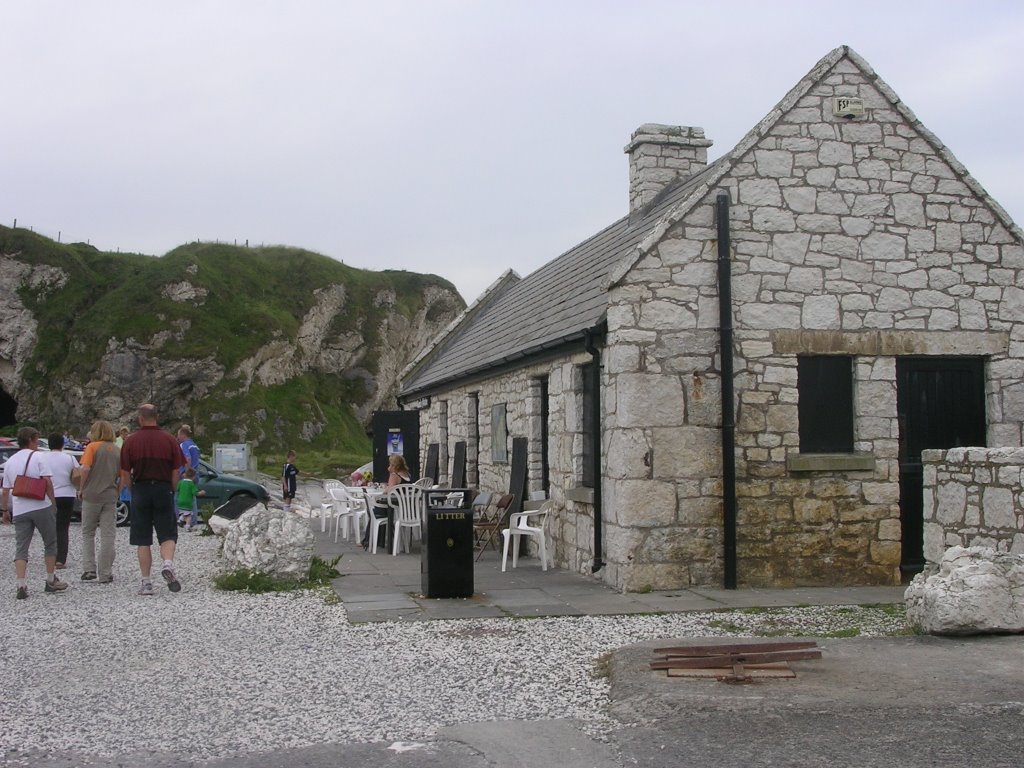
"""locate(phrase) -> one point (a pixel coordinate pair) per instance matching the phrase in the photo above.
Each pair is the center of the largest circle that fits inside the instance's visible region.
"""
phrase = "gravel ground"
(99, 670)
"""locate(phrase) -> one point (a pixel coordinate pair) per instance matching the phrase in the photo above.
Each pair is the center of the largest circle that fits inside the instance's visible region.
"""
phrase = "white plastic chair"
(518, 526)
(327, 506)
(362, 502)
(374, 523)
(357, 508)
(427, 484)
(342, 511)
(407, 501)
(314, 494)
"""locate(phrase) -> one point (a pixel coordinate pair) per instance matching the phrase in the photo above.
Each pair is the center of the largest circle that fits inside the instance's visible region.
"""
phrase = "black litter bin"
(446, 562)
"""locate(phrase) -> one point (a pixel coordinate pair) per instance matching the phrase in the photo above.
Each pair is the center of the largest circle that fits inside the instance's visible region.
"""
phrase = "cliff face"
(272, 345)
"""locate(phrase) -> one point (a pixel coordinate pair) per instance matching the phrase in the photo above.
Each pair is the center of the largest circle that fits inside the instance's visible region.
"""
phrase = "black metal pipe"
(595, 353)
(728, 411)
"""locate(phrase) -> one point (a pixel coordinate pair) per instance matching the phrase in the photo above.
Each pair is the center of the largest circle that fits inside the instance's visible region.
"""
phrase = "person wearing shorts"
(30, 515)
(150, 461)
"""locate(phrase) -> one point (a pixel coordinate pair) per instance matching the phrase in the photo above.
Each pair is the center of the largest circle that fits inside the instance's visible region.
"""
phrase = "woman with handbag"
(28, 500)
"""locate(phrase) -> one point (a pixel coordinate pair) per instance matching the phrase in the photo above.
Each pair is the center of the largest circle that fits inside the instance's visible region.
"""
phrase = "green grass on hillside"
(253, 296)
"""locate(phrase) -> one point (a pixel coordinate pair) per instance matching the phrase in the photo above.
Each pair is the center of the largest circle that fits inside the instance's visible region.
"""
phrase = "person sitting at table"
(398, 473)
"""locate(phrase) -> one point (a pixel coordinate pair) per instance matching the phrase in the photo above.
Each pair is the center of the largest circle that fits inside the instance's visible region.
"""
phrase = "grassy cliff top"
(253, 295)
(243, 299)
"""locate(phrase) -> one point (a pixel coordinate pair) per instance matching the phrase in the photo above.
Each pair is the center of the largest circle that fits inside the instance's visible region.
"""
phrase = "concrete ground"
(385, 587)
(911, 701)
(915, 702)
(908, 701)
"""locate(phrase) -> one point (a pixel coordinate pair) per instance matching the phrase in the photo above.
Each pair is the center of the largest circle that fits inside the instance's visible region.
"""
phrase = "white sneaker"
(146, 588)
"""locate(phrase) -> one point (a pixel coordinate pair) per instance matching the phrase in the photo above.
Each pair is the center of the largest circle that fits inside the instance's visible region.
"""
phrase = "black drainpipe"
(595, 353)
(728, 416)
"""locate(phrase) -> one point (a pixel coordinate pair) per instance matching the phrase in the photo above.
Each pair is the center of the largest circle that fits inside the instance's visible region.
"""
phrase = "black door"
(395, 432)
(941, 404)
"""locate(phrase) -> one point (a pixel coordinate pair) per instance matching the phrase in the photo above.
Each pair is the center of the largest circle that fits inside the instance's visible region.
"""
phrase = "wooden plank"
(711, 674)
(715, 650)
(728, 660)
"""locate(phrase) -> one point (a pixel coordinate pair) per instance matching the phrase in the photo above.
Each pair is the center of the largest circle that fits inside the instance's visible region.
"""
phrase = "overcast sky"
(454, 137)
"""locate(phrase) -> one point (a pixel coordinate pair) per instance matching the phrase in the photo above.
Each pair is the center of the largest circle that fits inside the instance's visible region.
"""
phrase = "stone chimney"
(658, 154)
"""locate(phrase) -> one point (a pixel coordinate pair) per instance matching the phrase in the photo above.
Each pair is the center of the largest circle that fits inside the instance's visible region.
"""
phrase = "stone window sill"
(830, 462)
(580, 493)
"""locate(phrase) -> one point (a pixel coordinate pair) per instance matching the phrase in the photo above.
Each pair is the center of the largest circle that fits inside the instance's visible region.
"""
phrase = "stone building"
(873, 306)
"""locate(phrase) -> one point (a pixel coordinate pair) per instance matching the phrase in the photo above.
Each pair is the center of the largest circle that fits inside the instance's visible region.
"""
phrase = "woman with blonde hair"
(398, 473)
(101, 464)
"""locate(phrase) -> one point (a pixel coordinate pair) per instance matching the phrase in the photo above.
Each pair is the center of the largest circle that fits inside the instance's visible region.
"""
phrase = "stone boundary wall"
(973, 497)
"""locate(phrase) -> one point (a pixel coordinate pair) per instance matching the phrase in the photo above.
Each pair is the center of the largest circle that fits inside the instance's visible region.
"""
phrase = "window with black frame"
(499, 434)
(825, 409)
(587, 424)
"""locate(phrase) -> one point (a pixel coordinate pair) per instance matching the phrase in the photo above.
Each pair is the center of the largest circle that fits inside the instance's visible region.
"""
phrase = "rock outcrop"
(222, 336)
(975, 591)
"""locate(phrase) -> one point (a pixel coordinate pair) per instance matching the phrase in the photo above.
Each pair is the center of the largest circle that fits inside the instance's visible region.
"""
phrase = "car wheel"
(122, 513)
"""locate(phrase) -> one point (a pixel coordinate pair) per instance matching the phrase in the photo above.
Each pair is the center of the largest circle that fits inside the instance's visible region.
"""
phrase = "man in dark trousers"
(150, 461)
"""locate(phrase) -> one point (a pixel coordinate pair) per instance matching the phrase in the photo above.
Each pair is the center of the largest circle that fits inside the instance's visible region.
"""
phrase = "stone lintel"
(580, 493)
(890, 343)
(822, 462)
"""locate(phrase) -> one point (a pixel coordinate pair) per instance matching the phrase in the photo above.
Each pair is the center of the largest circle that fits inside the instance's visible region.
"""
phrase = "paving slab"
(393, 604)
(386, 587)
(761, 598)
(541, 610)
(402, 599)
(458, 609)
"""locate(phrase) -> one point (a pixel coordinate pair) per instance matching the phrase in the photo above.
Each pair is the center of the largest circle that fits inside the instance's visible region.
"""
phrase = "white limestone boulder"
(271, 542)
(219, 525)
(975, 591)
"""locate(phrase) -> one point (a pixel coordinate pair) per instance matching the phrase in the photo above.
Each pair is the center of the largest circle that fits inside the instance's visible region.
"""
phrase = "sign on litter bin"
(446, 562)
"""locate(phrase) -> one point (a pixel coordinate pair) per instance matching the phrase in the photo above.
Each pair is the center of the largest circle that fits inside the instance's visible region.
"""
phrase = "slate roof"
(550, 307)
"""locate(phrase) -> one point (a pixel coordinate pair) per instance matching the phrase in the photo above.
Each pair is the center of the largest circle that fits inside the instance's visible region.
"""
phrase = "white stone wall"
(973, 497)
(570, 529)
(849, 237)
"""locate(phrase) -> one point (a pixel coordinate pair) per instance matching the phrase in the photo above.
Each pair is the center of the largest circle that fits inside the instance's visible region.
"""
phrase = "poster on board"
(396, 443)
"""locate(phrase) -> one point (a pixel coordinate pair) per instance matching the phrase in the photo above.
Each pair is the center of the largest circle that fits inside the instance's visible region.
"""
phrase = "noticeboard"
(231, 457)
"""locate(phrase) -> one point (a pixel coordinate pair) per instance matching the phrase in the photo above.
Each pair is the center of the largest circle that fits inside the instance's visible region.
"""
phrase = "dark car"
(216, 487)
(6, 451)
